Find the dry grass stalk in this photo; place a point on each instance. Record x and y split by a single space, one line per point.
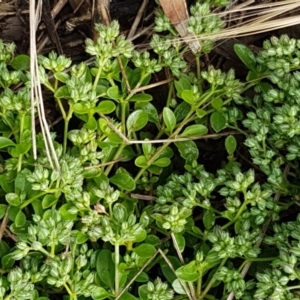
255 19
36 91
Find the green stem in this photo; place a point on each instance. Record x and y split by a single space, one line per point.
174 134
212 281
262 259
20 158
138 147
69 291
123 116
116 156
171 89
66 129
27 202
61 107
52 249
117 261
237 129
98 75
199 286
164 146
237 215
293 287
242 265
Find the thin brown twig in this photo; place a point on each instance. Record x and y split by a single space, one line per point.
179 254
143 197
182 283
184 139
4 223
152 85
141 32
10 235
137 19
137 274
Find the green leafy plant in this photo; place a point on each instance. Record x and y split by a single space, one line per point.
83 231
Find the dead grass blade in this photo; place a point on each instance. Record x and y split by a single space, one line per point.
254 19
36 91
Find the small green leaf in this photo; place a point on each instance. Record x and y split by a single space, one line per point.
21 62
143 292
180 240
265 87
48 201
187 149
154 170
105 107
81 238
13 199
20 219
115 138
5 142
8 187
188 96
176 285
12 212
141 98
113 93
20 149
142 277
91 173
181 85
169 119
141 237
188 272
37 207
194 130
218 121
144 250
91 124
105 268
217 103
3 208
79 108
137 120
4 249
99 293
209 219
181 111
147 149
127 296
22 185
167 271
200 113
62 92
61 76
230 144
101 90
123 181
246 56
65 213
7 261
149 109
162 162
141 161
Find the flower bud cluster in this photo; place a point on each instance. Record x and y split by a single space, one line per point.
233 281
159 290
